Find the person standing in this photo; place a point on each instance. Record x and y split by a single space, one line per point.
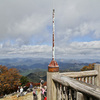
21 92
31 87
41 82
42 93
34 94
45 98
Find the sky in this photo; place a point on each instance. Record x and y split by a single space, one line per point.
26 29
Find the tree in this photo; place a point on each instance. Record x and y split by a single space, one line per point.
89 67
24 80
45 84
9 79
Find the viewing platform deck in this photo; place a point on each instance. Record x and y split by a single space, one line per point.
83 85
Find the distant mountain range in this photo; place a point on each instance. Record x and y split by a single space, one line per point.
35 68
30 65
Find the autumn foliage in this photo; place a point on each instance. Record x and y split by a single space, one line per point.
9 80
34 84
45 84
24 80
89 67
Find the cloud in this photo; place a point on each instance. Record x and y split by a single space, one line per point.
75 50
25 51
22 19
26 28
77 18
80 50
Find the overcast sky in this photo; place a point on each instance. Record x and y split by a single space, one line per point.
26 28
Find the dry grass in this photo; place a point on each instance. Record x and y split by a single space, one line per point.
28 96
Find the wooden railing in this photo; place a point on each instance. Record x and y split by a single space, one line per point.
71 89
85 76
82 85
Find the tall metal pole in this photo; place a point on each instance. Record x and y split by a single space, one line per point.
53 36
53 66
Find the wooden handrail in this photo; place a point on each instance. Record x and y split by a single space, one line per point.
81 85
78 85
80 74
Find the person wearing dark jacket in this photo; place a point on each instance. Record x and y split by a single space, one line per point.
31 87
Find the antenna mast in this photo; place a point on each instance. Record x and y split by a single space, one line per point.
53 66
53 36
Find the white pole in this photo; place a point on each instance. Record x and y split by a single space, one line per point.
53 40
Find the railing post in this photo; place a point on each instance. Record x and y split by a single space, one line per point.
93 82
89 80
97 78
58 92
66 94
70 94
51 86
81 96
